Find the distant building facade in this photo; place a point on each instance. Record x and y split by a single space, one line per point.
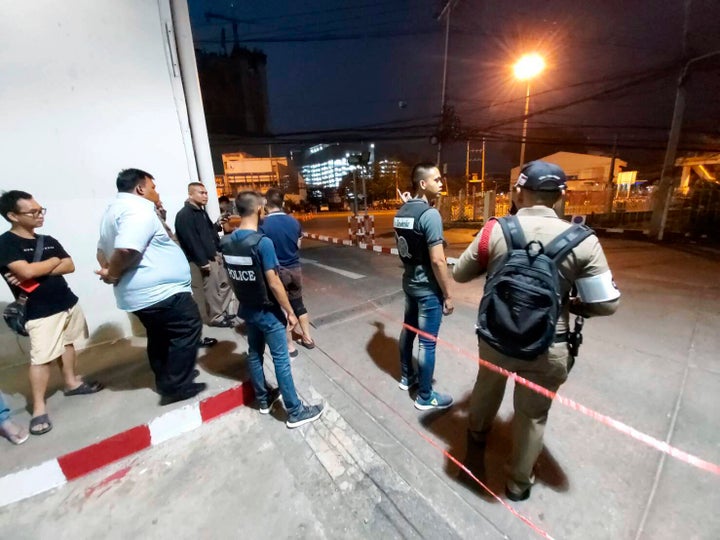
585 172
244 172
234 91
325 165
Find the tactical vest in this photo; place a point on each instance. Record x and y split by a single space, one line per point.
242 262
411 243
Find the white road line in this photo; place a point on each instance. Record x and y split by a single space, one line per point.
346 273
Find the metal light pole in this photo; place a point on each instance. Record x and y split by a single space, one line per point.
525 121
528 67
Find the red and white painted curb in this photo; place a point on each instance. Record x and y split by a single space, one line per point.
371 247
56 472
361 245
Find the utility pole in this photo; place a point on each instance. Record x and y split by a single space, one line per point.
355 208
482 167
467 167
443 96
611 178
664 192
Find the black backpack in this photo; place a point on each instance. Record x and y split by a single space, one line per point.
521 301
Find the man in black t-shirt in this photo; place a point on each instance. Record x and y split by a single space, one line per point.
54 320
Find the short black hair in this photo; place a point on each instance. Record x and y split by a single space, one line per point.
546 198
274 198
129 179
420 172
198 184
247 203
9 199
223 198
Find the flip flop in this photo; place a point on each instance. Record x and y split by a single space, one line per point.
13 433
307 344
89 387
39 420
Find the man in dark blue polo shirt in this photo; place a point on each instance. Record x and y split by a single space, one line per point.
285 232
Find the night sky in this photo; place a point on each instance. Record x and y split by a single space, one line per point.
378 64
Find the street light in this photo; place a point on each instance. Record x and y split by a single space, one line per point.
528 67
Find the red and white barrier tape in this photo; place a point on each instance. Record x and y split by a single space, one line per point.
630 431
664 447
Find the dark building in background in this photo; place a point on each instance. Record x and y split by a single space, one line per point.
234 91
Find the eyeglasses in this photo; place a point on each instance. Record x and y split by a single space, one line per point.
34 213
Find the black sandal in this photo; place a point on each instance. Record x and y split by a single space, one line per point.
89 387
39 420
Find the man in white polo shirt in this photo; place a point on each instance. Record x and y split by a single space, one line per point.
151 278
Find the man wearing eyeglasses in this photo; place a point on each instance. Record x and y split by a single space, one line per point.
55 321
426 283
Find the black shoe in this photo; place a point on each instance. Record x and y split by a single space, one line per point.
517 496
225 323
189 391
208 342
272 396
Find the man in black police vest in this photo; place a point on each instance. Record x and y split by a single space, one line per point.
426 283
252 265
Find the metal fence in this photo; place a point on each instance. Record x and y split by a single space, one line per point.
696 213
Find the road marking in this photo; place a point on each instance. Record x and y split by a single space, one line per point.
346 273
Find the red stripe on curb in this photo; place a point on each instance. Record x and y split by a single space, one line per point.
79 463
214 406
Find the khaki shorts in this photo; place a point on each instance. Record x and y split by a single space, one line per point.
49 335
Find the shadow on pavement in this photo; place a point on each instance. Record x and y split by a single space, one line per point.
383 350
486 461
221 361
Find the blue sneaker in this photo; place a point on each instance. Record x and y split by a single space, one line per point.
267 403
406 383
436 401
307 413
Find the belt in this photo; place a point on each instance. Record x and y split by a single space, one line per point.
561 338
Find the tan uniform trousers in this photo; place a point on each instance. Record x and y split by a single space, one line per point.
213 292
531 409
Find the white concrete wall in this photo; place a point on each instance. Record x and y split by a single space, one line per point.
88 87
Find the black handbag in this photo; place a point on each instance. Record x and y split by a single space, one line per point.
15 313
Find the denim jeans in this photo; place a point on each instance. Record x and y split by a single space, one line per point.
425 314
268 326
4 410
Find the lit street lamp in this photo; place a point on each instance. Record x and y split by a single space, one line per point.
528 67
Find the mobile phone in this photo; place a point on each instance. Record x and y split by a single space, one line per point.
29 285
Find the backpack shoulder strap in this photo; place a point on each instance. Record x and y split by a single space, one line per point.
39 246
483 254
567 241
514 236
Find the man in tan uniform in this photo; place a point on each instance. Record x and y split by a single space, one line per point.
539 186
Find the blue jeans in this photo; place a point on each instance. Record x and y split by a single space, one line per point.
4 410
268 326
425 314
